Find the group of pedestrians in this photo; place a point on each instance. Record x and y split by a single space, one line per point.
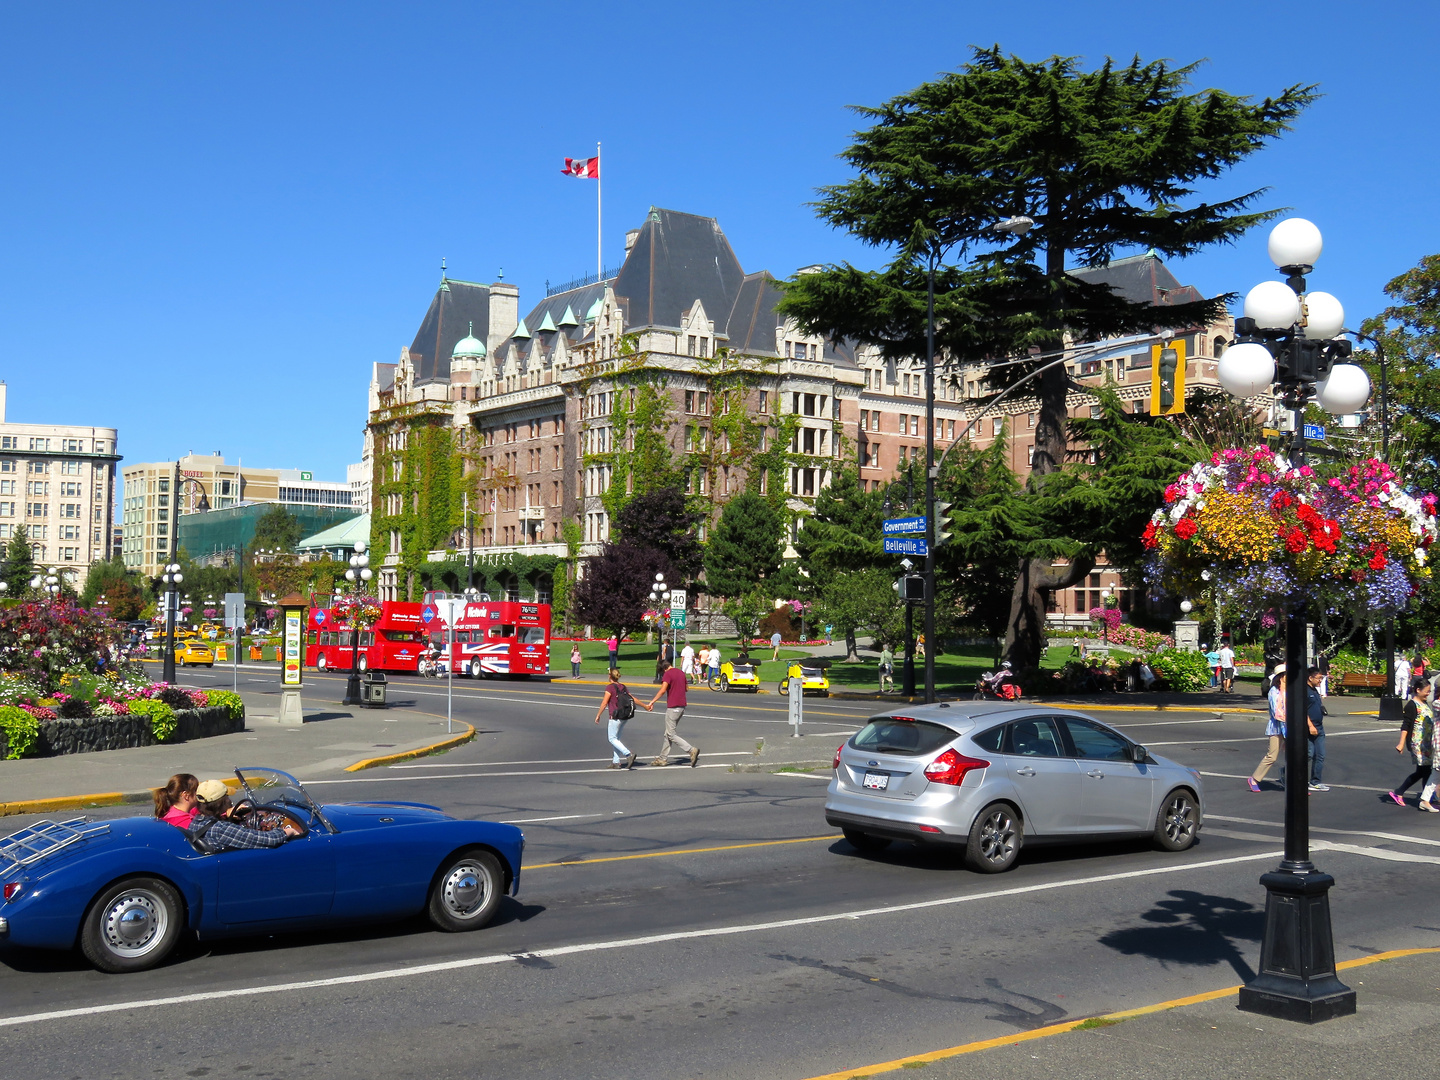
1277 729
621 705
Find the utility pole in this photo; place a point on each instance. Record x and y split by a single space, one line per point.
931 532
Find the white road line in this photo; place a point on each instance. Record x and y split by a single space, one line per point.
488 764
622 943
1338 787
566 817
1262 738
1167 723
646 771
1403 837
806 775
1377 853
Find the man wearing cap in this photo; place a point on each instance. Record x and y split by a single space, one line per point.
1275 729
213 830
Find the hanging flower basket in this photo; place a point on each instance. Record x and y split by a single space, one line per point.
1262 536
361 611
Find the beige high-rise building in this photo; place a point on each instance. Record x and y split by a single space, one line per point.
57 481
156 493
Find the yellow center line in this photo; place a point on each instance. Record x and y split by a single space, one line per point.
681 851
918 1060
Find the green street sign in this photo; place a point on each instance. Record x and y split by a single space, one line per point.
677 620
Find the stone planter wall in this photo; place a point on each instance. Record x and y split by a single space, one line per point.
117 732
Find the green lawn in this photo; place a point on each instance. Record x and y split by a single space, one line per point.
954 671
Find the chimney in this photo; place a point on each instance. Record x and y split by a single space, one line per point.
504 314
631 236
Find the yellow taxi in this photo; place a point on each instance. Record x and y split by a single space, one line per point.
737 674
194 651
811 673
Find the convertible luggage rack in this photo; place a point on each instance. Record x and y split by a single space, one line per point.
43 839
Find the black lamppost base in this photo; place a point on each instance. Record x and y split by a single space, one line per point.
1297 979
352 689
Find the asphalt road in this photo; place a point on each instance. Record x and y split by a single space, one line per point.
705 923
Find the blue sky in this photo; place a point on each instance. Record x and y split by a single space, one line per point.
214 218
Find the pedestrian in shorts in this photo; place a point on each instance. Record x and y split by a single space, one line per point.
1227 667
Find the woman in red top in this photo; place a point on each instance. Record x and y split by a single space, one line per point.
176 803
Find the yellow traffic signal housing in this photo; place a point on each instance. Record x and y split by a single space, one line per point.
1167 378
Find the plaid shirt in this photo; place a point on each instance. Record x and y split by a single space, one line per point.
221 835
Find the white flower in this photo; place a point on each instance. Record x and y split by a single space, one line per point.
1204 575
1420 556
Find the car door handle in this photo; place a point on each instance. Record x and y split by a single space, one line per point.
1026 771
1096 773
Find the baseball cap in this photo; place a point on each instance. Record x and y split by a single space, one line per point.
211 790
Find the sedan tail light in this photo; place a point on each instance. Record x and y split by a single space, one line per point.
836 763
951 767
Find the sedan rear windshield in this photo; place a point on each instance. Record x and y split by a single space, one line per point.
890 736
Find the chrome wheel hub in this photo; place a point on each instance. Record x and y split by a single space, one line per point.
997 838
134 923
465 890
1179 820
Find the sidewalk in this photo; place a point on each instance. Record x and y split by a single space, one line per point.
332 739
1392 1033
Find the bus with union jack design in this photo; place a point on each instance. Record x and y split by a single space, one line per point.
492 637
394 643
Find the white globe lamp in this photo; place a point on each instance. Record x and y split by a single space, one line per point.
1246 369
1295 242
1273 305
1345 390
1324 316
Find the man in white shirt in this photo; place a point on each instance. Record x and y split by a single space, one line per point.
1227 667
1402 676
687 662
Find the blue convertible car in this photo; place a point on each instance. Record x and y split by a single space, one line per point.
127 888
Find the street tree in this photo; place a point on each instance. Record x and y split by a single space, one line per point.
277 528
1409 332
19 563
744 549
859 602
746 611
663 520
1099 161
615 591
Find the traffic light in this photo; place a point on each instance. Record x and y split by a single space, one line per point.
942 522
910 588
1167 378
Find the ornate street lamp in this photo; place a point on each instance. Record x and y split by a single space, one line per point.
1288 337
172 577
358 573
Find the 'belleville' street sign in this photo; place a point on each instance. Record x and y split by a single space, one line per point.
906 545
897 526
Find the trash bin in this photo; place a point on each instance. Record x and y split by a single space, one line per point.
372 690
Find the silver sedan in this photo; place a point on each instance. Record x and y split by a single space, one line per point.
989 777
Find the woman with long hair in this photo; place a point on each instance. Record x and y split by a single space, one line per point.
621 757
1417 734
176 803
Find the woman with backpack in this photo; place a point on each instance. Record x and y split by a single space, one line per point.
621 704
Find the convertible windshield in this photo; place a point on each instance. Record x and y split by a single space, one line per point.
269 787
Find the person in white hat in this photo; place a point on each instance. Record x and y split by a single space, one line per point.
1275 729
212 828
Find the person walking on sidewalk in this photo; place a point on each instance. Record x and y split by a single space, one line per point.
775 645
621 704
687 662
575 661
613 644
1275 729
672 685
714 663
887 669
1315 721
1417 734
1227 667
1402 676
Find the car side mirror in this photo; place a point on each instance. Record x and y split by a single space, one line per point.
1138 754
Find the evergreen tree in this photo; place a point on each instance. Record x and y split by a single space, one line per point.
1100 161
1409 332
19 564
745 548
277 528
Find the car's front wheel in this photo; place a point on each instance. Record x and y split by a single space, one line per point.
131 926
466 892
864 842
1177 824
994 840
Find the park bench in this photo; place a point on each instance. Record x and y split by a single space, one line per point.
1356 680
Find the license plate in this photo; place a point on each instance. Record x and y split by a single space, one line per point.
877 780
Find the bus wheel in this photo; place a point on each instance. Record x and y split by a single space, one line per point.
474 670
320 662
364 662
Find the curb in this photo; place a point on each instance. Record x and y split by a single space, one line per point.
433 748
776 766
916 1061
85 802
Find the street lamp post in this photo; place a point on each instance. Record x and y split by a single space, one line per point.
1286 325
358 573
660 596
172 577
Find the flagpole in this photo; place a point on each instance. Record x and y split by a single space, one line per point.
599 250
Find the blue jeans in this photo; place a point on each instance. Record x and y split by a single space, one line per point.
574 670
613 732
1317 756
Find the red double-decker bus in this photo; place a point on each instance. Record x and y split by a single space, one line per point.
494 637
394 643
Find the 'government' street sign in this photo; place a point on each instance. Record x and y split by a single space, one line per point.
896 526
906 546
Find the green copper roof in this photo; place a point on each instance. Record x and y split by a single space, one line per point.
547 323
469 347
521 331
568 319
595 309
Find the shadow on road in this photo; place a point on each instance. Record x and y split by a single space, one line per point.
1195 929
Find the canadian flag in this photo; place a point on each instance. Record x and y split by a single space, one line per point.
587 167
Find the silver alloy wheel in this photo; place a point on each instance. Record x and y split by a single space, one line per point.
465 890
1180 819
475 669
134 923
997 836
